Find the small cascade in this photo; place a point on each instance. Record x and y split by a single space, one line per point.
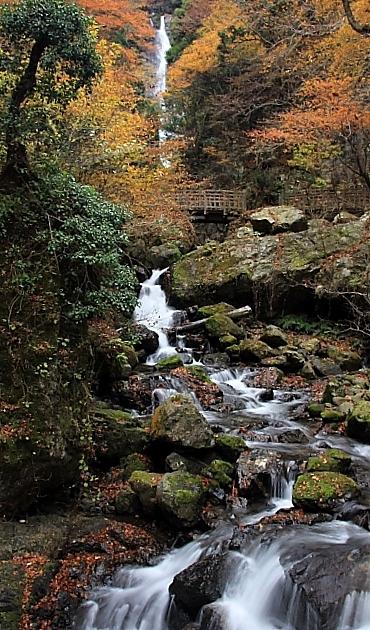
153 312
356 612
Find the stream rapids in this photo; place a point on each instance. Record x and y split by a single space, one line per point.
257 592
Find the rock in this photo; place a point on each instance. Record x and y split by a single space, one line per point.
116 434
170 363
214 309
277 219
229 446
135 461
175 461
127 502
266 395
358 426
161 256
315 409
311 346
267 272
347 360
199 373
274 337
214 616
216 359
332 415
253 351
267 377
307 371
200 584
256 471
181 496
177 421
145 339
294 361
220 471
228 341
220 325
332 460
323 491
344 217
145 485
325 367
324 576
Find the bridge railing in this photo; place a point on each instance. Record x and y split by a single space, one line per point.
218 202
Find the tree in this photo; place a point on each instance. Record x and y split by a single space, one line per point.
359 27
49 51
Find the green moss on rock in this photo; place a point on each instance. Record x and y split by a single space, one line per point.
253 351
145 485
229 446
198 372
177 421
315 409
221 471
333 460
215 309
359 421
170 363
323 491
181 496
220 325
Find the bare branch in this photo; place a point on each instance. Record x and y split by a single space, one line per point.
363 29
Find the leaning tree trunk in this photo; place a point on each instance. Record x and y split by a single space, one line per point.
363 29
16 171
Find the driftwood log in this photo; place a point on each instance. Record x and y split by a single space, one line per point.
238 313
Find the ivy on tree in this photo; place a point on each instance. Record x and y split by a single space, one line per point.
49 48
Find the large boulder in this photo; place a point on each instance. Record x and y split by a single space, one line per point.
289 270
276 219
116 434
323 491
257 473
178 422
220 325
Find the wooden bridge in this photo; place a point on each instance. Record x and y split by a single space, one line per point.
212 205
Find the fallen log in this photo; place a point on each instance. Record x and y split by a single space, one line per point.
237 313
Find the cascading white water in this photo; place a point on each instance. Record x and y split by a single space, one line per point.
163 46
153 312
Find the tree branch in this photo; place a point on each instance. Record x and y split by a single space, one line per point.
363 29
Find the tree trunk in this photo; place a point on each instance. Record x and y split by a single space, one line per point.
363 29
16 168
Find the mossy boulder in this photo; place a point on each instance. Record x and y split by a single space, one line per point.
127 502
181 497
178 422
170 363
286 271
220 325
227 341
145 485
229 446
214 309
332 414
323 491
161 256
274 337
359 422
253 350
333 460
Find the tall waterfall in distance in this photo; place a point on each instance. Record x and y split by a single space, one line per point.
163 44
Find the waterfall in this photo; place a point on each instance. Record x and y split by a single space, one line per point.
163 46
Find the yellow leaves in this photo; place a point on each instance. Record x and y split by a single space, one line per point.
202 55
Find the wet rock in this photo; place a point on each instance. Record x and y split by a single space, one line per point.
216 359
277 219
332 460
332 415
267 377
314 409
161 256
181 496
292 436
323 491
220 471
146 339
127 502
324 577
256 471
220 325
266 395
274 337
215 617
200 584
359 422
175 461
177 421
